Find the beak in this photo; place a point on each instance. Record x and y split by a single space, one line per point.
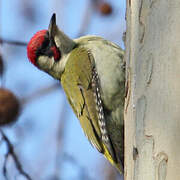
52 26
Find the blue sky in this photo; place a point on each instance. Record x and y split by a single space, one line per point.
36 128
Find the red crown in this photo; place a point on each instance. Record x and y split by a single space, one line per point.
35 42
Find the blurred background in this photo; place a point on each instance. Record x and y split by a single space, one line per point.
46 142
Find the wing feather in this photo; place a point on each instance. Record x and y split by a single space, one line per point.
76 81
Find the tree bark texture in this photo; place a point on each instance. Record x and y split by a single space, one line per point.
152 109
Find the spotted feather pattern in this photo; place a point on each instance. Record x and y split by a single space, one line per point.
101 118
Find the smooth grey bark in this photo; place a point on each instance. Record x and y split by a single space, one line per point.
152 110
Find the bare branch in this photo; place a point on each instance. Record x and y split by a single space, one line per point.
60 137
40 92
82 170
14 156
12 42
86 19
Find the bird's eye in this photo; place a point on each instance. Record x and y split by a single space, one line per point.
45 43
48 48
44 48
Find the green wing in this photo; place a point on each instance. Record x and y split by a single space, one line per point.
76 81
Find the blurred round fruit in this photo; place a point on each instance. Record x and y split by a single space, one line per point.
9 107
105 8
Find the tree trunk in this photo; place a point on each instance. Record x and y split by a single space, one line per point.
152 110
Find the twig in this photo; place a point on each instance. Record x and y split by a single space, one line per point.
62 125
14 156
87 16
17 43
82 170
40 92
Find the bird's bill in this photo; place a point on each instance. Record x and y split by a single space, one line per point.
52 26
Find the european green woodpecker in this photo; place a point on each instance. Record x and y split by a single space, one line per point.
92 73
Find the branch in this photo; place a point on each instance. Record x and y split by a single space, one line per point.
82 170
62 125
11 42
87 16
14 156
40 92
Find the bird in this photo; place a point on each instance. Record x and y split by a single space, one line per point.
91 71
